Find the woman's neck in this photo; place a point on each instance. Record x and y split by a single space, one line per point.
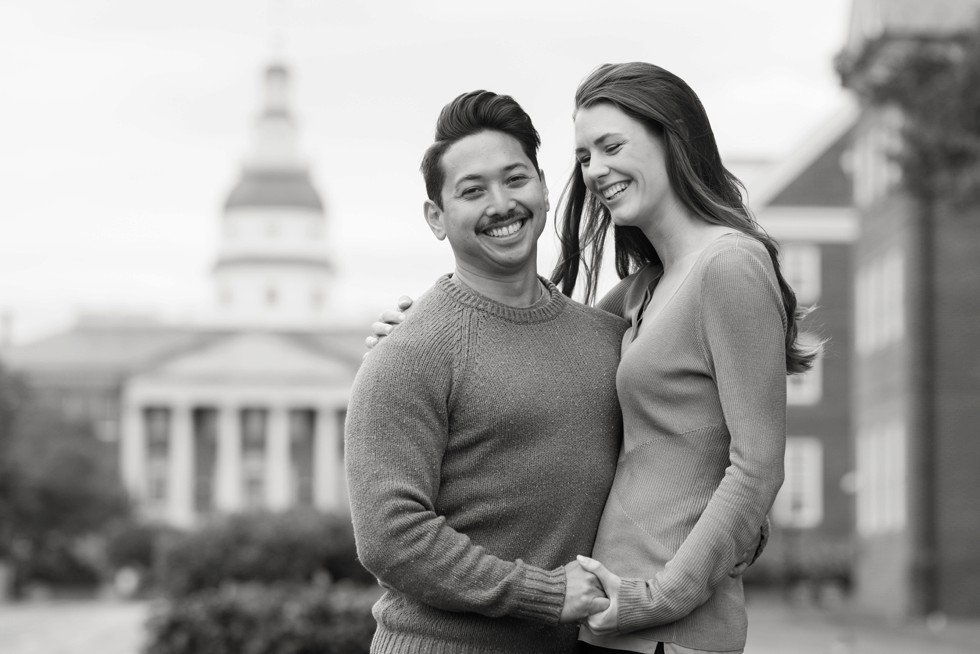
679 235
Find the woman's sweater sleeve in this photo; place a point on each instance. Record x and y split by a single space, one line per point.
614 301
396 434
742 330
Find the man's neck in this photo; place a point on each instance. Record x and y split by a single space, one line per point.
520 290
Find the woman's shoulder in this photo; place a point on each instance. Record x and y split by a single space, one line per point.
734 252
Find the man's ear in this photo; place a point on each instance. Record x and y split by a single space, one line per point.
544 189
433 216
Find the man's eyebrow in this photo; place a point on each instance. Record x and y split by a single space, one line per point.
476 177
473 177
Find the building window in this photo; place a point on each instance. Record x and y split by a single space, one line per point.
156 422
799 504
107 422
804 389
302 432
205 425
254 428
882 479
879 311
801 268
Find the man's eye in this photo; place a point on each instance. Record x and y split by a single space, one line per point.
471 192
518 179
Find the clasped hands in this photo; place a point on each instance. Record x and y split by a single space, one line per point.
591 596
592 592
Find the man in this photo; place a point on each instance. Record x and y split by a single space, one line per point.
482 437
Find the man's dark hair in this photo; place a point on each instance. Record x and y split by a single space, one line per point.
469 114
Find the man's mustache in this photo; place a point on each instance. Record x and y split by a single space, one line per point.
510 216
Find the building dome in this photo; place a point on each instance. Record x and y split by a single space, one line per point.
274 188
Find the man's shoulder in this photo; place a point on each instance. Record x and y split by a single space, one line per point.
431 328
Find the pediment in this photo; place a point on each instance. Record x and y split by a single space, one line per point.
253 357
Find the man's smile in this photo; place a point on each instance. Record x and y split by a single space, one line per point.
506 229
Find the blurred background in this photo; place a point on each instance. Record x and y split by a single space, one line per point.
206 204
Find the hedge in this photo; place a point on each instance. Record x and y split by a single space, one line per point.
262 619
295 547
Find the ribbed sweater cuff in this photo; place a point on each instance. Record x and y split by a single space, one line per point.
635 610
542 595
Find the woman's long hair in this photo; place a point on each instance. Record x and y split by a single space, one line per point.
669 109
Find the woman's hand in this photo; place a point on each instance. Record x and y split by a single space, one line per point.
387 321
583 594
605 622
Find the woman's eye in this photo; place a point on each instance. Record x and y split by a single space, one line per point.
614 148
583 161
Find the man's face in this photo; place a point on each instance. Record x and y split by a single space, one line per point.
494 205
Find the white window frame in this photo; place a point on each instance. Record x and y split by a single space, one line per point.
802 270
806 388
800 504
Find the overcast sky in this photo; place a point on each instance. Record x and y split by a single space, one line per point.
123 123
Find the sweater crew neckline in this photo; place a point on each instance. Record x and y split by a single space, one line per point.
546 309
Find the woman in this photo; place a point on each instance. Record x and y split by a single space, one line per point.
702 375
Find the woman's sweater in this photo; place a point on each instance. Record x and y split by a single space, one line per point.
702 387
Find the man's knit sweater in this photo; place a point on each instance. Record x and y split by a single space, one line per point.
481 443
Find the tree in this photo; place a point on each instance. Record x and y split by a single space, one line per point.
56 487
936 86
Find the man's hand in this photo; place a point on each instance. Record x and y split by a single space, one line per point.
749 555
387 322
583 594
607 621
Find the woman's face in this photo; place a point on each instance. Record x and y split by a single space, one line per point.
623 164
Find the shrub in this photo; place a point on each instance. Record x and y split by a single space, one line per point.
260 619
137 547
59 565
294 547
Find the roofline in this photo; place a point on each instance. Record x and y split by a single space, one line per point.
805 154
812 224
259 260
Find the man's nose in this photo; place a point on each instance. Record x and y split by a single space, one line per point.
500 202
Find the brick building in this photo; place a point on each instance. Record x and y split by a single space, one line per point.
805 203
916 371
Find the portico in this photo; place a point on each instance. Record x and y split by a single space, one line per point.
252 422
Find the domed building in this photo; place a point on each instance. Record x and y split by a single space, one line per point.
244 410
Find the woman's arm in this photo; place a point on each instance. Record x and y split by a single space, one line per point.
387 322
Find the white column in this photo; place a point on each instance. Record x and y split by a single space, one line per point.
228 492
180 480
330 484
278 489
132 451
